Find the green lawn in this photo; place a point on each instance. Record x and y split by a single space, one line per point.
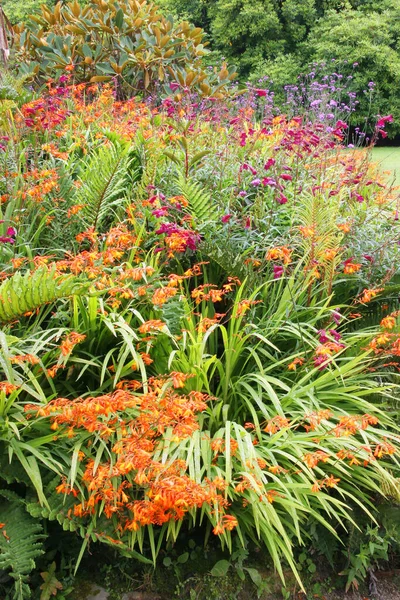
389 159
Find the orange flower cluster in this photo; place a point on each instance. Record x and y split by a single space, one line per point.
276 424
326 482
152 325
312 459
20 359
314 419
206 322
70 341
244 306
297 362
281 253
8 388
368 295
135 487
351 424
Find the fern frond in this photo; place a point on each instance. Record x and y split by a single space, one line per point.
201 205
20 545
104 182
22 293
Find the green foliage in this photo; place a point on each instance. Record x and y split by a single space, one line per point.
105 182
20 544
51 585
130 42
370 39
17 11
22 293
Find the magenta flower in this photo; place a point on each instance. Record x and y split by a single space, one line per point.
278 271
383 120
269 181
286 177
247 167
226 218
260 92
256 182
270 163
160 212
10 236
335 334
281 199
321 362
323 338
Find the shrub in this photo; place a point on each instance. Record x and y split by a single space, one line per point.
129 42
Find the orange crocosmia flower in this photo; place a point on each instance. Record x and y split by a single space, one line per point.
245 305
271 495
276 424
205 324
368 295
277 470
71 340
388 322
126 384
162 295
315 487
24 358
279 253
351 268
344 227
295 363
152 325
312 459
217 445
215 295
330 481
179 379
8 388
384 448
330 254
52 371
307 231
316 418
218 529
219 483
229 522
179 200
74 210
17 262
146 358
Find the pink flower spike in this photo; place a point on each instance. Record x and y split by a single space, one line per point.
226 218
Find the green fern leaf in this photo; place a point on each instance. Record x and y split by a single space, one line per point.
200 202
24 293
105 181
20 544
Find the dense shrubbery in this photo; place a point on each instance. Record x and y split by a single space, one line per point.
201 326
266 37
130 42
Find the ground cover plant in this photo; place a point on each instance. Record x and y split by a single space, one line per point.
201 329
